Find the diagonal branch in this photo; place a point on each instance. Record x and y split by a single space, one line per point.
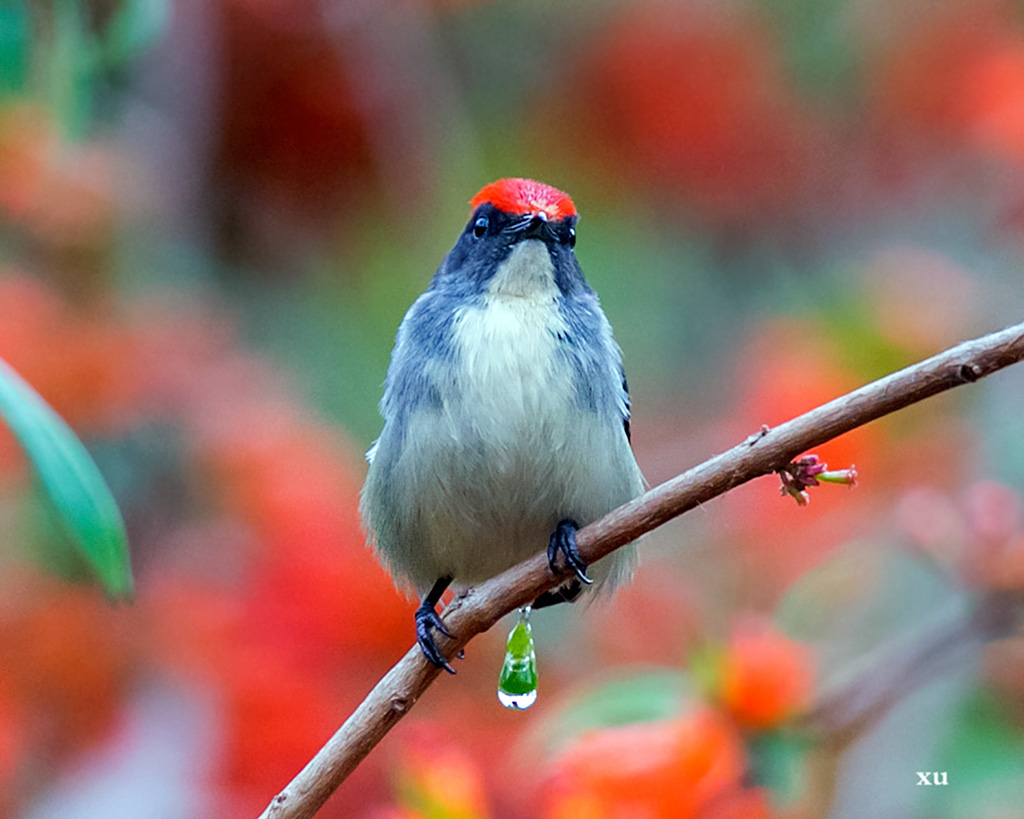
761 454
845 710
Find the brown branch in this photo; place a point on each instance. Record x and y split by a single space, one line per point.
761 454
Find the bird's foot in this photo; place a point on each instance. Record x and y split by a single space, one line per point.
563 540
427 621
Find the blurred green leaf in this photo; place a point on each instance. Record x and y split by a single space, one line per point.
14 46
71 480
984 759
137 25
859 599
644 696
704 663
777 763
822 53
68 70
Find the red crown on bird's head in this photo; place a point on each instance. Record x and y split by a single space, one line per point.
522 196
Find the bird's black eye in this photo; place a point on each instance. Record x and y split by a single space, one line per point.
572 237
480 227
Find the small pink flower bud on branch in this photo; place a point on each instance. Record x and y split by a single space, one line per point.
810 470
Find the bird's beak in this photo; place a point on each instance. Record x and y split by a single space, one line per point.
534 226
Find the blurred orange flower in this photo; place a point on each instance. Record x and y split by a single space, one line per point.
65 656
81 362
992 100
438 780
956 77
58 192
674 769
764 678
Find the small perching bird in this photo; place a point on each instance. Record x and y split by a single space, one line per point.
506 411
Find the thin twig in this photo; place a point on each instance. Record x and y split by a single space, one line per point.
761 454
846 710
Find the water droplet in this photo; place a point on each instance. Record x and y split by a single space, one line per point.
517 685
517 702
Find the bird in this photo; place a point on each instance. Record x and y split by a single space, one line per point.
506 413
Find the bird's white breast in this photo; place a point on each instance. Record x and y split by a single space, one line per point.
510 374
486 476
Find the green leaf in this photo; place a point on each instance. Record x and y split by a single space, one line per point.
643 694
15 38
72 481
136 26
983 757
67 70
778 762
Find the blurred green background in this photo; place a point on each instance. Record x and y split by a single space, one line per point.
213 216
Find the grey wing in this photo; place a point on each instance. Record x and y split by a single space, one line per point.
626 408
387 505
423 337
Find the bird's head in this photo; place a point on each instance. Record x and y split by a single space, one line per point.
519 239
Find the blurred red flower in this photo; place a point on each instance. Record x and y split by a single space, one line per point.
81 362
673 769
67 659
59 195
12 747
698 101
954 77
992 99
255 584
764 678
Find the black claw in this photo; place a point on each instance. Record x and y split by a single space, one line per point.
563 540
427 619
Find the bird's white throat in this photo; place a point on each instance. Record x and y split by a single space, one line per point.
526 273
507 345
